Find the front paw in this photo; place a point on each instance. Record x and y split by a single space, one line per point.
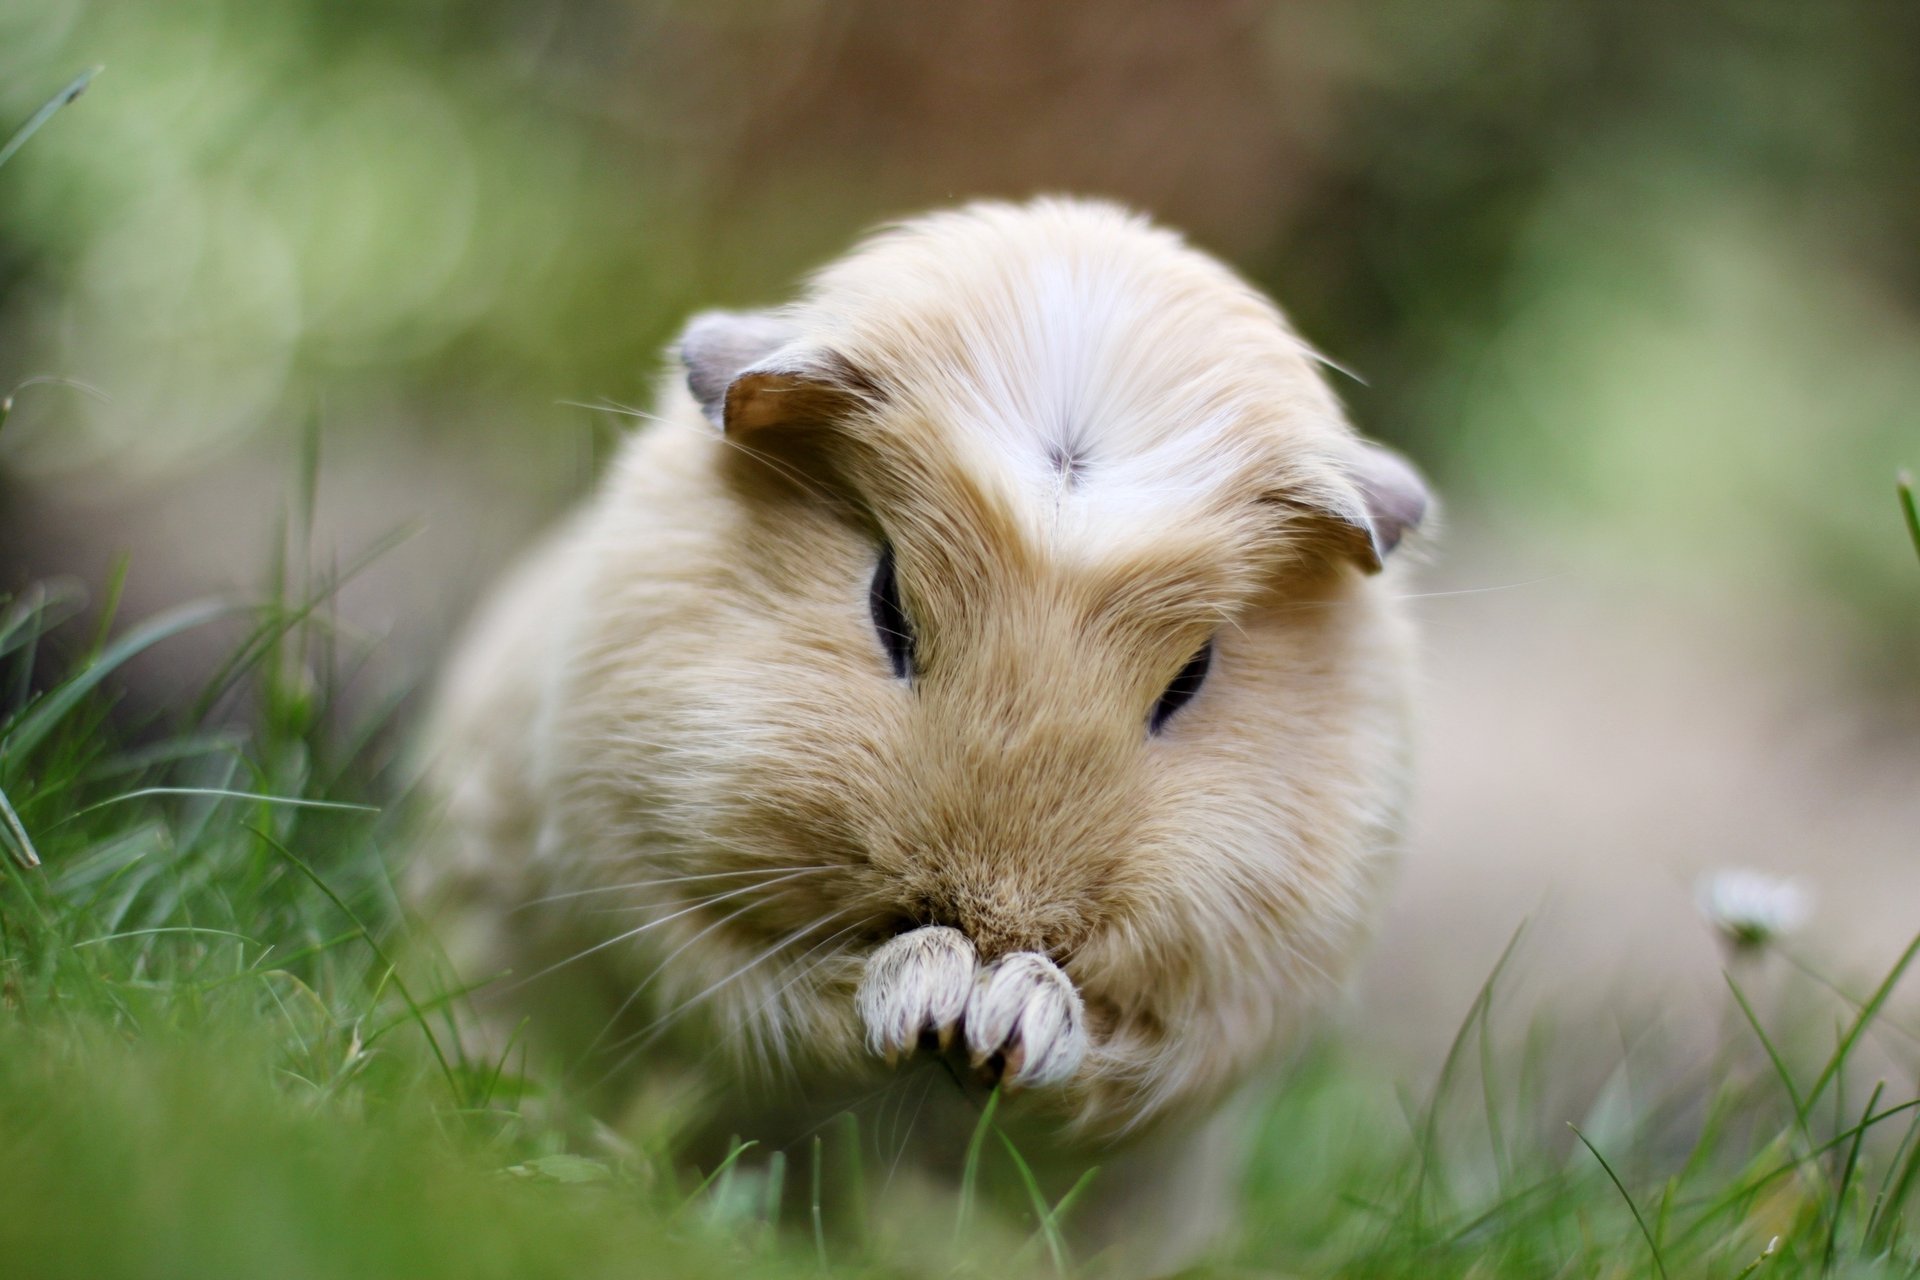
1024 1011
916 983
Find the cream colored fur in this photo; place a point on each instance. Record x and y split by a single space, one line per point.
1092 449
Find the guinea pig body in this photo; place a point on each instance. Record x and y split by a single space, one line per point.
990 658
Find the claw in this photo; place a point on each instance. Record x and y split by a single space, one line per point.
1026 1010
1010 1073
917 984
1020 1019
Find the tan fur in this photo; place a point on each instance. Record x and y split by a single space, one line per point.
1092 448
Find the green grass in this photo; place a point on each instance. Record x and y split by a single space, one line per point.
209 1066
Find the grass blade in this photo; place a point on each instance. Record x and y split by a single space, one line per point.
1772 1246
724 1169
1894 1165
1911 511
283 621
1711 1208
1429 1128
1846 1175
47 379
22 842
37 610
41 717
1056 1247
1653 1246
1860 1023
970 1170
775 1188
1879 1224
399 984
813 1210
1067 1201
75 87
223 793
1773 1054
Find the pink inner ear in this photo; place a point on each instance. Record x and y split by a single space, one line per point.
765 398
1396 497
794 388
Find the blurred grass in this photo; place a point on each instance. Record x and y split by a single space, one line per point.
184 1158
208 1066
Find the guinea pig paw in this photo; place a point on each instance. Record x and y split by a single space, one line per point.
1026 1012
916 983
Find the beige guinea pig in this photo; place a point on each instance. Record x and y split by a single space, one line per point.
986 655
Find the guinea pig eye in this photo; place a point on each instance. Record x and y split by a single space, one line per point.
889 619
1181 691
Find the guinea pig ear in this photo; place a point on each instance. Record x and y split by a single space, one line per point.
1386 499
1395 496
750 370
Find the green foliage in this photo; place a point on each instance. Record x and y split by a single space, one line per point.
270 201
190 1157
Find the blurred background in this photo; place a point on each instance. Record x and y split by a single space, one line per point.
1638 286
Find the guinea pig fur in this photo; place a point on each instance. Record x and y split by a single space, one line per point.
990 659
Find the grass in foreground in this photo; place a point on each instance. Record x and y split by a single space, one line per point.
208 1066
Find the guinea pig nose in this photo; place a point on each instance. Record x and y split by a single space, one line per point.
893 926
921 911
996 924
994 939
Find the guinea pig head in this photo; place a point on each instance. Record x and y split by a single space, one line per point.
1046 610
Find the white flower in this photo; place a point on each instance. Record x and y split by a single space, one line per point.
1751 908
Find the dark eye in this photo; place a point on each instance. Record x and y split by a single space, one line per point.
1181 691
889 619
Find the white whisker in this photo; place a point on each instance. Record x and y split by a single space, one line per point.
613 406
647 981
913 1122
653 884
647 1034
750 1023
652 924
1480 591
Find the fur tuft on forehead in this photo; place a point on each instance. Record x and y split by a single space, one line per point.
1091 371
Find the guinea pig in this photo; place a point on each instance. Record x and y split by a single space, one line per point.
990 659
